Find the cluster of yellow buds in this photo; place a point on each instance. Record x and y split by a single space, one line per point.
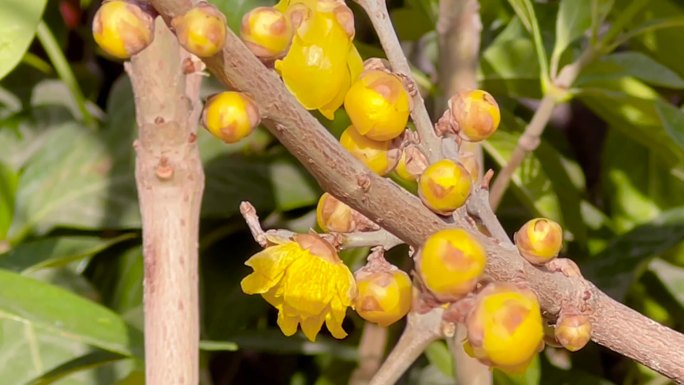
310 44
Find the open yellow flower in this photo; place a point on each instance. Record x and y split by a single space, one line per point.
322 62
306 281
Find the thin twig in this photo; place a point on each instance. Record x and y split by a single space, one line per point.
371 353
469 371
404 215
530 138
370 238
421 330
377 12
170 181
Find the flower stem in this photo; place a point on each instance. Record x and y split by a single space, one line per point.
421 330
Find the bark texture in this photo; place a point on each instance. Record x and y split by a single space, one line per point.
170 183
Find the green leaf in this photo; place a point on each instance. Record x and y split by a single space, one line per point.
615 268
119 279
629 105
61 313
530 376
574 19
85 362
599 11
410 23
673 121
652 39
543 182
8 187
218 346
273 341
525 11
638 183
630 63
18 22
508 65
438 354
54 252
671 276
73 181
32 351
236 9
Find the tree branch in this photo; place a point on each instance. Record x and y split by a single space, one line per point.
402 214
421 330
170 182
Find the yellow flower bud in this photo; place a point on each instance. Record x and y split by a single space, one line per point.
122 28
230 116
384 296
505 328
380 157
267 32
378 105
475 113
450 263
444 186
573 331
539 240
411 164
201 30
333 215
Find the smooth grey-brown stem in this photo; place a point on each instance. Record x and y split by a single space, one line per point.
370 238
371 353
377 12
403 214
421 330
170 182
527 142
469 371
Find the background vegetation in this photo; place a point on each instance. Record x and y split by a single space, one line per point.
610 169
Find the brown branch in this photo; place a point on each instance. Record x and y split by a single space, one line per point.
403 214
170 182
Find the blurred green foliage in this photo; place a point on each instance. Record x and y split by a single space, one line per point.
610 169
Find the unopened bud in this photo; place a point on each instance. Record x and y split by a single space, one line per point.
201 30
539 240
122 28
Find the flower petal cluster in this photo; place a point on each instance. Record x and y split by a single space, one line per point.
322 62
306 281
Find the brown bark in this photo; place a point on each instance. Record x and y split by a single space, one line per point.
402 214
170 182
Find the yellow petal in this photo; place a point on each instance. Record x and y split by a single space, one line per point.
334 325
309 284
288 325
314 69
311 326
269 266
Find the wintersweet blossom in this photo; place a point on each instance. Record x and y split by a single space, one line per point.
306 281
